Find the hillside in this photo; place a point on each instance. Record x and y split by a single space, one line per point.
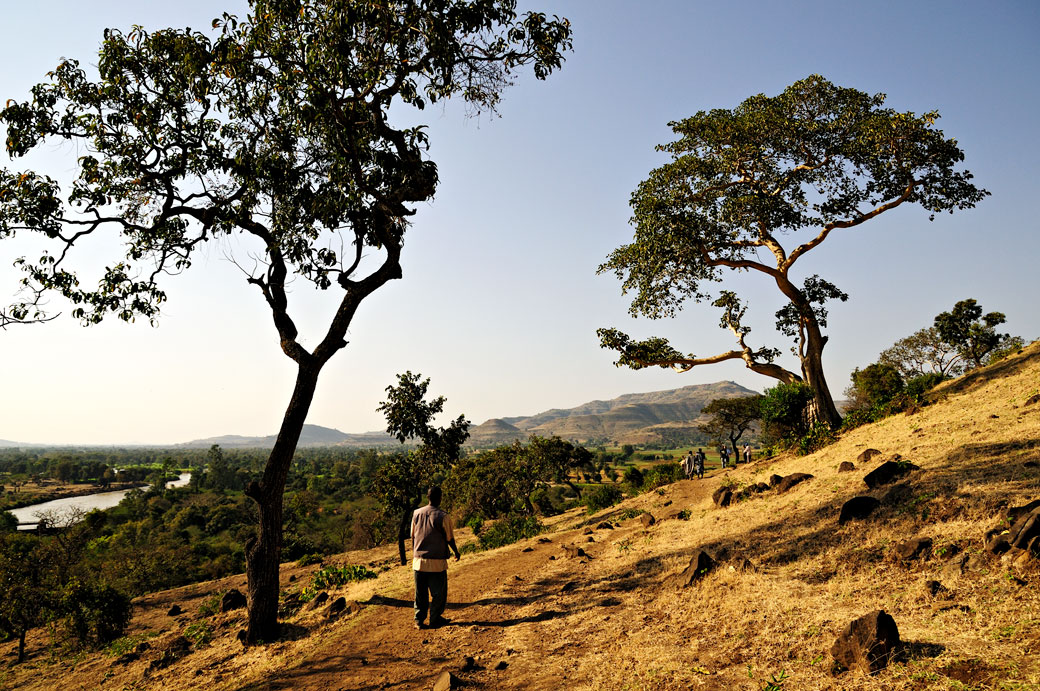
313 435
639 418
789 579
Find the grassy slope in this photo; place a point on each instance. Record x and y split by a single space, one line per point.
617 621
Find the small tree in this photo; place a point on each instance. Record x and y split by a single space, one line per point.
971 332
26 587
278 128
402 480
817 158
731 417
923 352
875 385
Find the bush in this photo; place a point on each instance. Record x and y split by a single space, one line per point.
509 530
662 474
634 478
601 498
94 615
783 410
817 438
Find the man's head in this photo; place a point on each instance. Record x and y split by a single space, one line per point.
434 495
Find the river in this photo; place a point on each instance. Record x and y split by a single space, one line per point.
27 515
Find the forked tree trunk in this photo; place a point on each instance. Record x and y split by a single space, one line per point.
264 552
821 408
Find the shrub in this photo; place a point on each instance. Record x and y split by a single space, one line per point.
783 410
93 615
602 497
509 530
817 438
333 577
662 474
309 559
634 478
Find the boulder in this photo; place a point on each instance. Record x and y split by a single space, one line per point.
936 589
647 519
865 456
574 552
722 497
605 526
232 599
1025 529
857 508
996 541
174 611
319 600
336 607
918 548
887 473
898 494
956 566
446 681
868 643
775 479
846 467
587 531
792 480
701 564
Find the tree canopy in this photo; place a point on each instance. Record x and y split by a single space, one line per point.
815 159
278 129
971 332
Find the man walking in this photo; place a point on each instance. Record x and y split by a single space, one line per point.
432 536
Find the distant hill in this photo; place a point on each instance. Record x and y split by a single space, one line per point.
313 435
640 418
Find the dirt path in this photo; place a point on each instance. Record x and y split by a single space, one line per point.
519 612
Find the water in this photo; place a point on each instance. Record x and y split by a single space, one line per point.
27 515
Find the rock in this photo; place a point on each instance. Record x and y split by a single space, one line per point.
502 664
667 503
544 540
936 589
647 519
866 455
142 647
857 508
887 473
174 650
792 480
846 467
759 487
898 494
775 480
292 578
1025 528
232 599
590 539
587 531
469 663
446 681
569 586
701 564
1033 400
319 600
956 567
527 549
918 548
605 526
722 497
868 643
126 659
997 541
573 552
174 611
337 606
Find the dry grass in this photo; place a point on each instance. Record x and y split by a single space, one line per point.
617 620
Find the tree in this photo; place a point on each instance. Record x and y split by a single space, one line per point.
731 417
817 158
278 128
26 587
972 333
923 352
403 479
874 385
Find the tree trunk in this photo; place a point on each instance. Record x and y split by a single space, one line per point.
822 408
21 645
264 552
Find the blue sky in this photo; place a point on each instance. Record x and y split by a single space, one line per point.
500 299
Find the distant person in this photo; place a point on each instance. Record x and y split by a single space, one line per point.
432 536
747 452
687 464
724 455
698 464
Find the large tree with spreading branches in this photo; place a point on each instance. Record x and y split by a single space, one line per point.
813 161
277 127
